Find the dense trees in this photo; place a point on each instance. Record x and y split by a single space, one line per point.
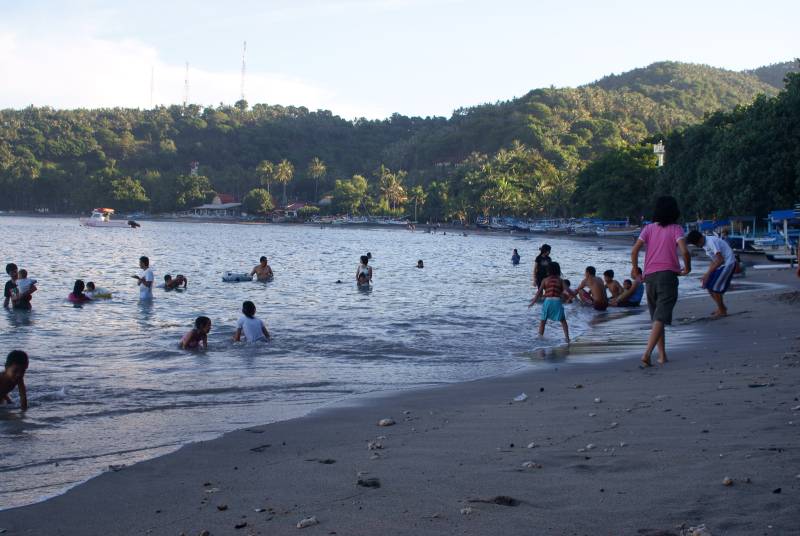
520 157
743 162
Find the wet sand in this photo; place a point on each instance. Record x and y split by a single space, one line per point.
613 449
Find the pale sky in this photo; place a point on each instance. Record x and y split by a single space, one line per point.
364 58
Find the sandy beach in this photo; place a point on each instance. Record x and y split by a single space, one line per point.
596 449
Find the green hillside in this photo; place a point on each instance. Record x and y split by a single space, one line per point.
515 157
775 74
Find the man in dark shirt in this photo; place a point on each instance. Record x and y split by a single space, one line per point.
11 295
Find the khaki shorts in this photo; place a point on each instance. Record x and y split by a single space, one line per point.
662 295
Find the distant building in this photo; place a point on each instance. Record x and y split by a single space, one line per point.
221 206
326 201
293 210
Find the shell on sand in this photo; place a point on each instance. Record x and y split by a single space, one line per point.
386 422
727 481
307 522
466 511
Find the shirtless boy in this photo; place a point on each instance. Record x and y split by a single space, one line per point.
262 271
596 293
14 377
612 285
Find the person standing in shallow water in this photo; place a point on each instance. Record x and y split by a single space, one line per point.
515 257
541 264
663 238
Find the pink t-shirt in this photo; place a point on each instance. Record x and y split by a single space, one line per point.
662 253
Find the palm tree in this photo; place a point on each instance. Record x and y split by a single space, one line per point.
317 171
419 196
264 170
283 174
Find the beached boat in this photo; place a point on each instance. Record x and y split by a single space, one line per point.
101 217
617 231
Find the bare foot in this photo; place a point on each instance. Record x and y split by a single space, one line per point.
646 362
662 360
719 313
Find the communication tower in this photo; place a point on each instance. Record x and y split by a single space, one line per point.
658 149
244 52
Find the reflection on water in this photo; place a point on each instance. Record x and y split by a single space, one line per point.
108 384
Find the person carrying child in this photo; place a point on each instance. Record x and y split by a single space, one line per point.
552 288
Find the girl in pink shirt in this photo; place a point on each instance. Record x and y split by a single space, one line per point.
663 239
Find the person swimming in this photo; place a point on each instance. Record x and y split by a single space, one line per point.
364 272
197 337
77 296
94 292
178 281
420 264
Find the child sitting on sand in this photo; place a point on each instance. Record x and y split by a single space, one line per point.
252 328
552 288
14 377
198 336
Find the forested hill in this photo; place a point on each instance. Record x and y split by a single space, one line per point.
775 74
515 157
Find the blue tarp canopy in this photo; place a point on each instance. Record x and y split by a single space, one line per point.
780 215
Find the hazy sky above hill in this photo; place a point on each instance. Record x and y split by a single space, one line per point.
364 57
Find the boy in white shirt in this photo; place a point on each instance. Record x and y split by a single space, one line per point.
718 277
145 280
252 328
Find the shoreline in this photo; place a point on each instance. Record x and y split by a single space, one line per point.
280 478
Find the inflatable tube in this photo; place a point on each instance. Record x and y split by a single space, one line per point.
234 277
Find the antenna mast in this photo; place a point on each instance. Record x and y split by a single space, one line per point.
152 84
244 52
186 86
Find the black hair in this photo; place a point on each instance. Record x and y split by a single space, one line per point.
419 262
364 259
262 259
201 321
627 281
11 267
249 309
369 255
591 271
167 277
515 250
666 211
694 237
90 285
554 269
17 357
638 270
609 273
545 248
566 283
79 287
144 260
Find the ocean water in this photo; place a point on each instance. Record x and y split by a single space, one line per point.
108 385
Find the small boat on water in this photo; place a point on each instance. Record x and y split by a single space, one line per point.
101 217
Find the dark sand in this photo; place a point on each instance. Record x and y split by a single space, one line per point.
662 441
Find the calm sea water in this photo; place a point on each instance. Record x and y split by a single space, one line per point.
108 385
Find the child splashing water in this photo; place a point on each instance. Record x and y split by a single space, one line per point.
552 288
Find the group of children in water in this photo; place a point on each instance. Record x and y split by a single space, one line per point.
554 291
